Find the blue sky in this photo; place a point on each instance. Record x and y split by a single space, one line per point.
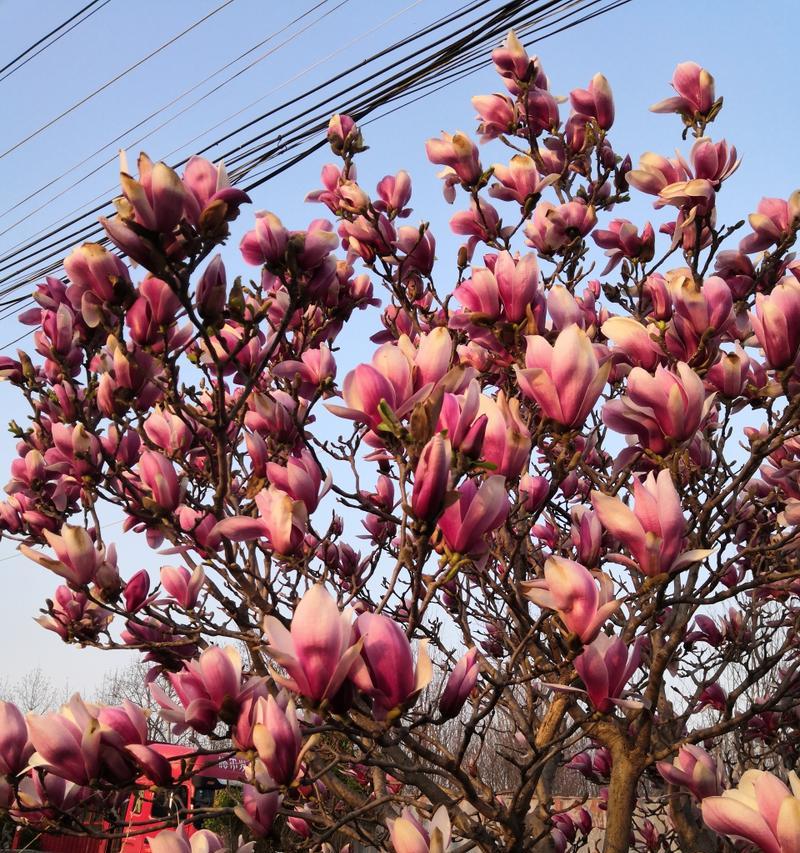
749 48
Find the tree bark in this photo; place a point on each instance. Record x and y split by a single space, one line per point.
621 805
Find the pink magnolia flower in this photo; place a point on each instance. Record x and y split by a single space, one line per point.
635 341
460 684
712 161
319 650
567 825
497 115
340 128
553 228
332 178
776 322
277 739
300 478
655 172
282 521
315 370
731 372
654 530
518 285
737 269
400 375
571 590
761 810
695 88
481 223
410 835
136 590
266 243
209 689
159 477
416 251
47 797
477 512
566 380
78 559
702 309
83 742
696 194
533 492
480 295
507 439
184 586
694 769
212 290
512 63
661 409
209 194
257 812
75 448
15 748
595 101
156 200
137 248
772 222
385 669
73 614
97 277
168 431
605 666
367 238
459 417
712 696
459 153
394 193
201 841
153 313
622 240
431 478
541 115
519 181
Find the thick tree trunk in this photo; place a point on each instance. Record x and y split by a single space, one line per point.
693 837
621 805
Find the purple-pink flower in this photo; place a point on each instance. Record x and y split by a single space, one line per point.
565 379
319 650
572 590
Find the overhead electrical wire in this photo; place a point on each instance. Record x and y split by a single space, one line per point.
414 73
427 86
113 80
185 145
503 22
157 112
227 154
59 32
14 251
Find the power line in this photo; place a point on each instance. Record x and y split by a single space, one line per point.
61 26
503 18
113 80
23 246
152 115
14 250
453 54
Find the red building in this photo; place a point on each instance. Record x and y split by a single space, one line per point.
148 807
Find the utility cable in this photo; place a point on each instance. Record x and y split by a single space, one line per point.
113 80
10 65
147 118
451 53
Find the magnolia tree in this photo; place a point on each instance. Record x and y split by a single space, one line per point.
560 535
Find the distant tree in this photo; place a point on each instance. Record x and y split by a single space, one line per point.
34 692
